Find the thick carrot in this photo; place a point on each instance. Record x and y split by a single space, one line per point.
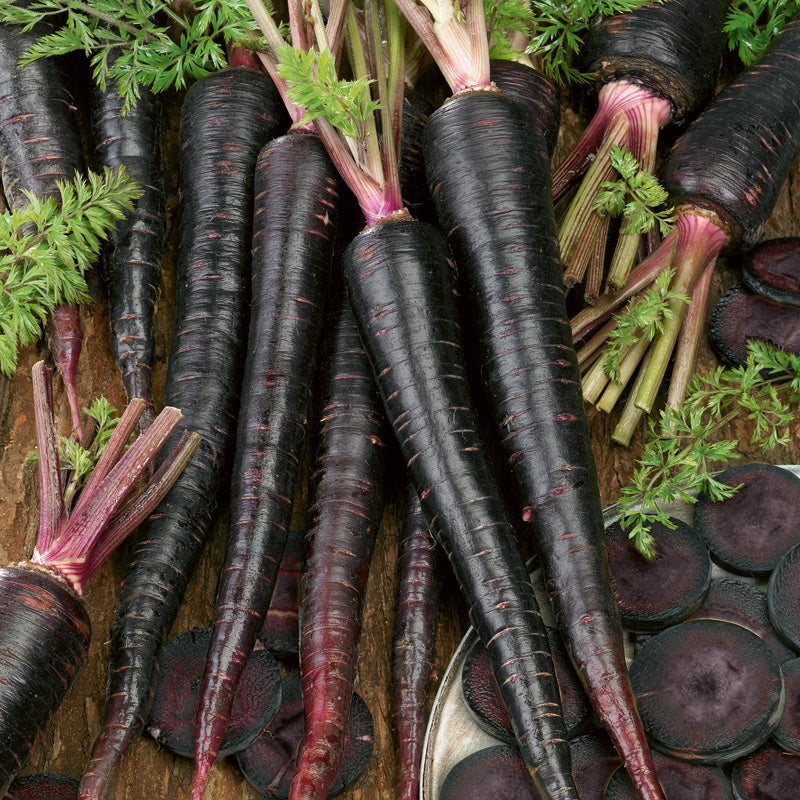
39 145
225 119
401 284
488 171
44 627
344 517
132 258
295 217
413 643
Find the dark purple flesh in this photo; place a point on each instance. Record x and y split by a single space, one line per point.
46 786
681 781
594 759
280 631
772 269
787 734
655 593
740 315
486 702
733 600
783 598
750 532
708 691
497 772
269 763
177 693
768 774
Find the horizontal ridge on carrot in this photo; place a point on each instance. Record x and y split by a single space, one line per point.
44 628
225 119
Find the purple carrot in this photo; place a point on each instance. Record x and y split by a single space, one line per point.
413 643
39 145
131 260
44 628
226 118
295 217
345 514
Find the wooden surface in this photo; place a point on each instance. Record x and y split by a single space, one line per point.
147 771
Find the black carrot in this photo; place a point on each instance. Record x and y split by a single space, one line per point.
656 64
132 259
44 628
413 643
39 145
401 283
723 176
344 516
225 119
478 145
294 224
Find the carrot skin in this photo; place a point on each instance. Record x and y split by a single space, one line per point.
39 145
295 217
734 158
44 641
413 643
500 225
674 49
226 118
131 261
345 514
532 89
401 285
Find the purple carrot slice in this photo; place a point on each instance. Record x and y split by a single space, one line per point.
767 774
708 691
772 269
486 702
733 600
594 760
681 780
177 693
740 315
787 734
281 629
783 598
492 772
45 786
653 594
750 532
269 763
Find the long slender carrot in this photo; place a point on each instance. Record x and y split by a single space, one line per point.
344 516
225 119
132 259
295 217
413 643
401 284
489 176
39 145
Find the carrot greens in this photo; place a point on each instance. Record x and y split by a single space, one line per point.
47 246
153 44
679 452
752 24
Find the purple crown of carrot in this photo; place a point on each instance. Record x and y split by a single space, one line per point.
73 544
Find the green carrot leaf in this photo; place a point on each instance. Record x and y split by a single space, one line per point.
679 455
751 25
46 248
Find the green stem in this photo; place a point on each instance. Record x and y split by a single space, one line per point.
699 242
628 364
631 416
